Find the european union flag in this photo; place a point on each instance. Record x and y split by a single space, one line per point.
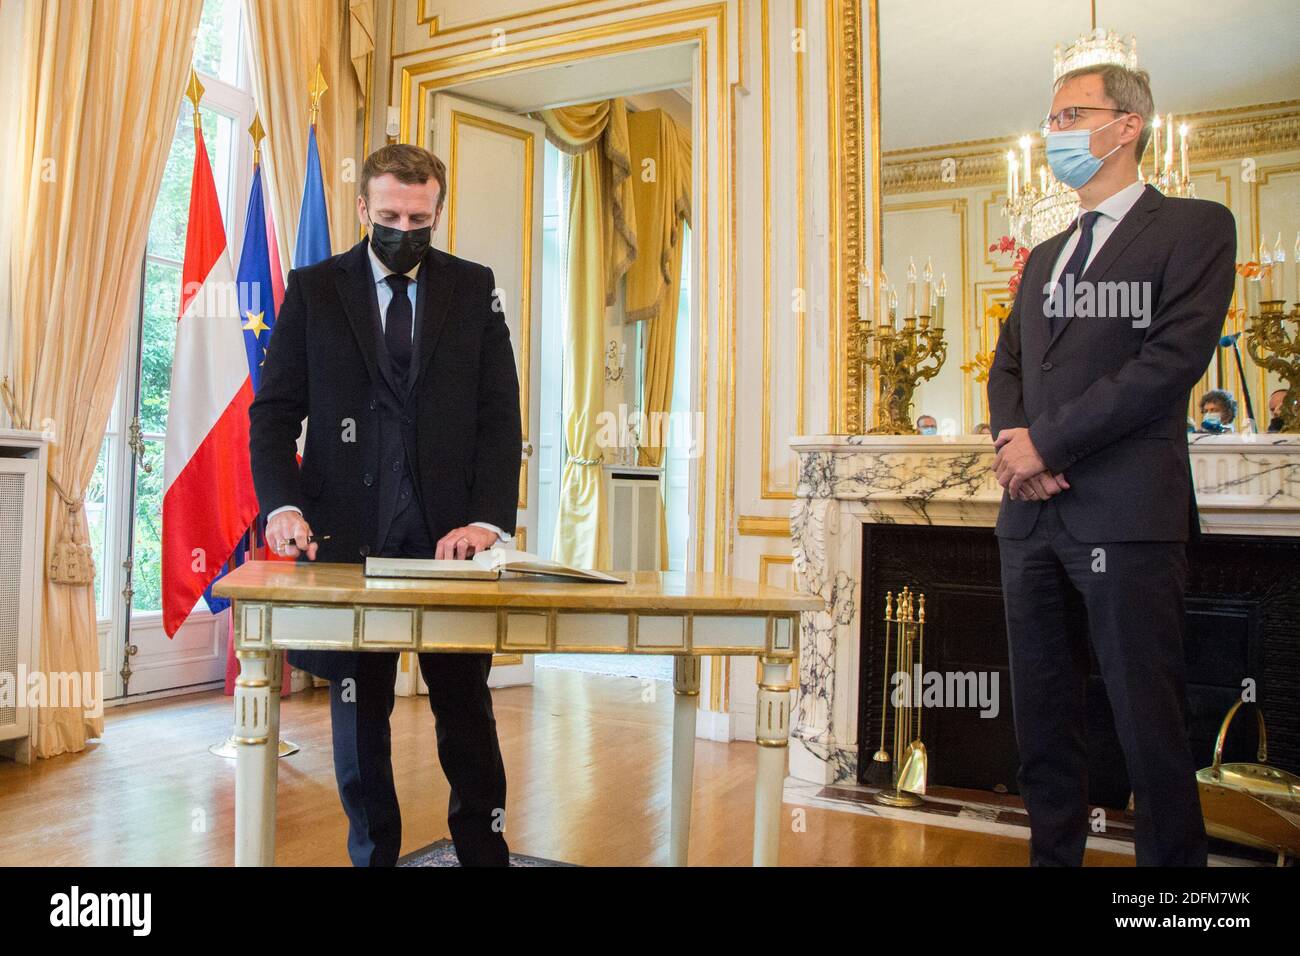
313 220
257 318
256 296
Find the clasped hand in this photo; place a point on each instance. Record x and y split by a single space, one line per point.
1021 470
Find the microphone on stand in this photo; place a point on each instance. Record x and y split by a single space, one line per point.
1231 341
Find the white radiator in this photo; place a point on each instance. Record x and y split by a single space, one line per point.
635 502
22 575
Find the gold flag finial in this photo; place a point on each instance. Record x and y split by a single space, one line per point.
316 89
194 93
255 130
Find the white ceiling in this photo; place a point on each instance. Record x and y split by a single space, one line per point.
582 81
955 70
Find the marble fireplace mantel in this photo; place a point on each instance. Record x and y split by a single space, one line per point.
1245 485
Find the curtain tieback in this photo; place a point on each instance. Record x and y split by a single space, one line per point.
587 461
73 561
11 405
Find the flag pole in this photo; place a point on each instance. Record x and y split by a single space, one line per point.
316 88
227 747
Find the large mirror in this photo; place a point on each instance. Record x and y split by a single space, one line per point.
964 84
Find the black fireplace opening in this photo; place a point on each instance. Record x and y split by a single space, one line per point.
1243 623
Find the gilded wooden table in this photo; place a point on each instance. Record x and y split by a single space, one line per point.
279 606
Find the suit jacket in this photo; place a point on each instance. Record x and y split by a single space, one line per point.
458 409
1105 399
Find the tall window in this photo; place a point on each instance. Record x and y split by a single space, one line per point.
227 111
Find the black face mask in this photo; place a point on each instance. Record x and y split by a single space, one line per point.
399 249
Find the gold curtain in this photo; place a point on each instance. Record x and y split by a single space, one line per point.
95 106
287 41
663 202
601 247
661 192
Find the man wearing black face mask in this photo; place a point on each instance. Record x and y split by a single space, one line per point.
399 357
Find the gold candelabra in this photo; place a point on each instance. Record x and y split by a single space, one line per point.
905 617
898 350
899 358
1273 347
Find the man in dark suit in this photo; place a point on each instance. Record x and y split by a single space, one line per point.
1114 322
399 357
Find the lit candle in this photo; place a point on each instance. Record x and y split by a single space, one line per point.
1295 266
911 289
938 303
1266 272
893 307
1042 180
1024 148
1252 296
1182 147
1155 155
1279 266
928 277
1169 146
864 296
883 318
1011 175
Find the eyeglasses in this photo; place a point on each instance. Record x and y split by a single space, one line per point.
1069 115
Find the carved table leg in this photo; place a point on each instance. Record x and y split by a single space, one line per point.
257 730
686 693
773 737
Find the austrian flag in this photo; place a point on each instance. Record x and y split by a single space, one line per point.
208 497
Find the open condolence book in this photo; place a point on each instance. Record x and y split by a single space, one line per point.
486 565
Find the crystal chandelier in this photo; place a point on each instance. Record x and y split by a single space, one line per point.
1099 46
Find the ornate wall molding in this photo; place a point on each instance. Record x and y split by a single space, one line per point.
1219 135
849 168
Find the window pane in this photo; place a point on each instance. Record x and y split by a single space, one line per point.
162 286
171 214
96 501
146 575
216 47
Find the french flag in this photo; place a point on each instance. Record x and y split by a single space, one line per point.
208 496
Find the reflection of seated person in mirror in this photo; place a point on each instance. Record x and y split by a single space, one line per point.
1218 412
927 425
1275 399
983 429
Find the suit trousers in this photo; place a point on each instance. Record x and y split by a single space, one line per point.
1133 595
466 731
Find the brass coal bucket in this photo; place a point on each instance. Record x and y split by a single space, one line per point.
1251 803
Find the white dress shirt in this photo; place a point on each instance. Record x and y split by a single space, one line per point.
384 293
1112 209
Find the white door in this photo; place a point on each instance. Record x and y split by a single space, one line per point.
493 216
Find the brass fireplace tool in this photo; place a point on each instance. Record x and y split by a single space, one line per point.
905 618
897 348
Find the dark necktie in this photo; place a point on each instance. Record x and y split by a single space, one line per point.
397 325
1073 267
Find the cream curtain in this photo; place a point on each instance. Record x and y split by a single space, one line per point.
663 202
95 107
601 247
287 40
